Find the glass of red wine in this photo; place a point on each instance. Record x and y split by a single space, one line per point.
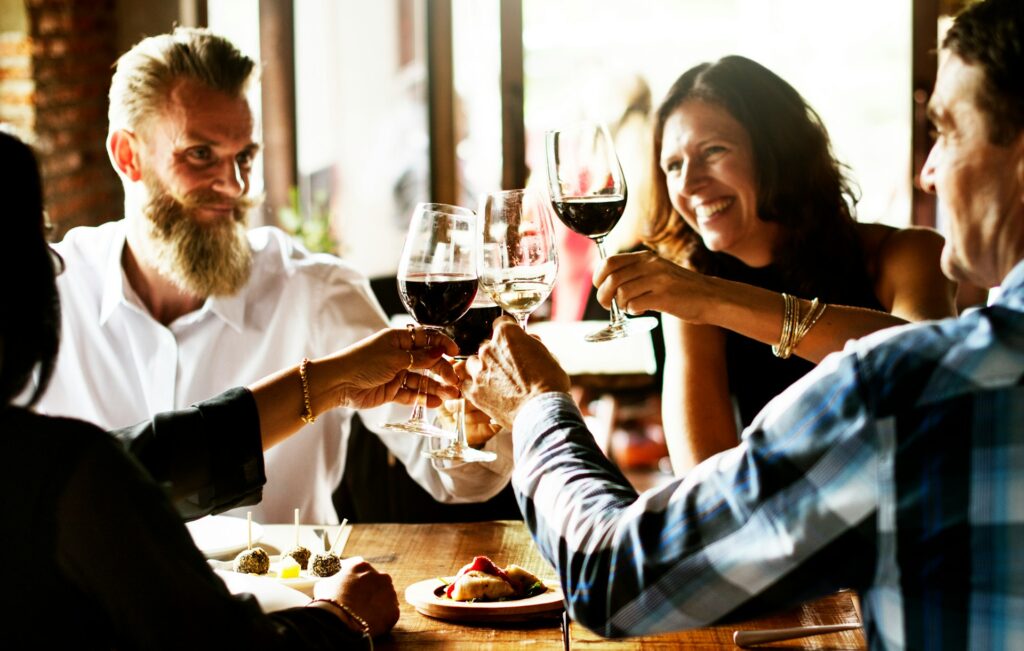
437 281
469 332
588 193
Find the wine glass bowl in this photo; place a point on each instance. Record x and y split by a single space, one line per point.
437 280
588 193
518 260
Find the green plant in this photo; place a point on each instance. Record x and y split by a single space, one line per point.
313 230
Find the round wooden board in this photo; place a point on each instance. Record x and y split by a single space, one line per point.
423 596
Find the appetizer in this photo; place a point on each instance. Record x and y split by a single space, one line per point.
252 561
482 580
301 555
326 564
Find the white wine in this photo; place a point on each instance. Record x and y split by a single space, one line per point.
519 290
519 296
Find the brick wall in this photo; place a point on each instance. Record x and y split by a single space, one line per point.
72 46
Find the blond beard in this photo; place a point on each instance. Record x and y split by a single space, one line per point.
202 259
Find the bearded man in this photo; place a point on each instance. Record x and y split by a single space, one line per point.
179 301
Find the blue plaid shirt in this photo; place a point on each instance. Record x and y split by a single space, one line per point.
896 468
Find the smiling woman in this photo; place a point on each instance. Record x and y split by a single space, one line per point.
761 257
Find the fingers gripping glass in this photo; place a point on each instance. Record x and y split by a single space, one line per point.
437 281
588 192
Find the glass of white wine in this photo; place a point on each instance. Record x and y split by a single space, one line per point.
517 259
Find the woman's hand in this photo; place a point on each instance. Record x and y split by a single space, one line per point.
378 369
367 592
645 281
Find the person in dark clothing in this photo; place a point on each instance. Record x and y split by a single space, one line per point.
102 558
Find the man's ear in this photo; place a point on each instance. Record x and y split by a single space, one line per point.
124 155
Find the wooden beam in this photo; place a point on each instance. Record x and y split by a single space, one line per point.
513 127
277 50
924 64
440 102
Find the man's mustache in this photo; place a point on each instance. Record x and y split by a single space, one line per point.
202 198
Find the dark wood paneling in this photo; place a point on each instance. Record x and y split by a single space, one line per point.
924 43
513 128
277 51
441 109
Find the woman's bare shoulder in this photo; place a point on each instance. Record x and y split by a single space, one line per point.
884 245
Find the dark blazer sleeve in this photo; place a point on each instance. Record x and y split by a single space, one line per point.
208 457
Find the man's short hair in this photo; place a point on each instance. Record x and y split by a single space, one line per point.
145 74
991 34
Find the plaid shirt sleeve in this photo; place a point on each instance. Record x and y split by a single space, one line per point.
754 528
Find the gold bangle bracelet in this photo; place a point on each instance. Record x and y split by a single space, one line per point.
790 318
307 416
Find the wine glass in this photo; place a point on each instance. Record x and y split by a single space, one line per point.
588 193
437 280
518 261
469 332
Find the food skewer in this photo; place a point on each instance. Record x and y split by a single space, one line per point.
341 540
252 560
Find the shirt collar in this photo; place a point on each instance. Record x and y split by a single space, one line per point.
231 309
116 292
114 280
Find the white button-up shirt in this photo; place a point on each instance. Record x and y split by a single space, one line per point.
118 365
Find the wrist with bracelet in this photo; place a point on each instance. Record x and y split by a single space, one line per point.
354 621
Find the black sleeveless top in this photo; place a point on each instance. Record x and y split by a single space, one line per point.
756 375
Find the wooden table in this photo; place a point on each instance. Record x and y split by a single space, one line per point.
413 552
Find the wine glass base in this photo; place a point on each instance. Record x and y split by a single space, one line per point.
625 328
464 453
416 427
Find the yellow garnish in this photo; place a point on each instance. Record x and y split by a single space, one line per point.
289 568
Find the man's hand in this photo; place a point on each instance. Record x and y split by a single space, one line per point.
509 370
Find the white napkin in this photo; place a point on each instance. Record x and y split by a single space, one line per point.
271 594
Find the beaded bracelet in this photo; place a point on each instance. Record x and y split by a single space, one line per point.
363 626
307 416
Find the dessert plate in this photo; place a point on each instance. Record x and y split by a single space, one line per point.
428 598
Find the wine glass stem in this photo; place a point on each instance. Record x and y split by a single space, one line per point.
616 314
419 412
521 319
460 425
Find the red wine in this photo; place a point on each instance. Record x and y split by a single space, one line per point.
437 299
591 216
474 328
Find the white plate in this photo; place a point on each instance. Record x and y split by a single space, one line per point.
221 535
427 597
303 583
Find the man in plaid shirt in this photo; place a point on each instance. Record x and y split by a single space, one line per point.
893 468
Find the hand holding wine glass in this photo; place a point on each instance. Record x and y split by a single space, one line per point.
469 333
437 280
518 259
588 192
